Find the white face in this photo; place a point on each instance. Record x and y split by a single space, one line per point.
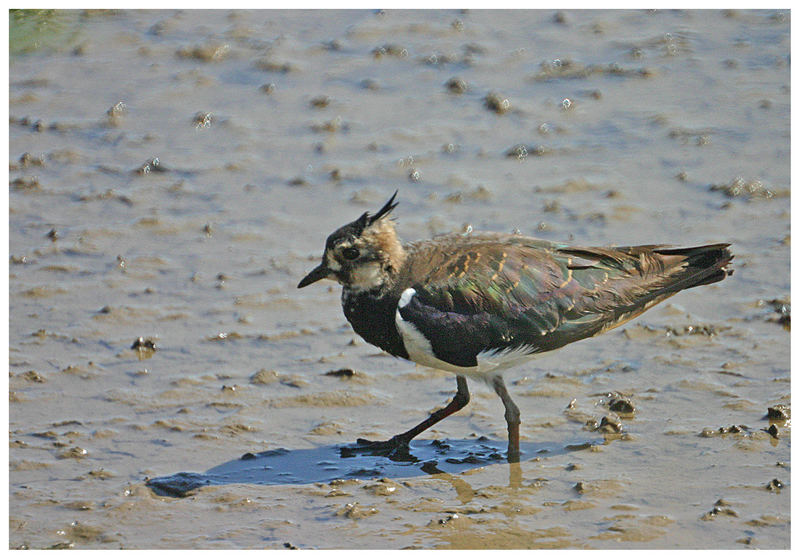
361 258
366 276
355 265
332 263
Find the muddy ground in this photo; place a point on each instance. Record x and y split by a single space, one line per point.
173 174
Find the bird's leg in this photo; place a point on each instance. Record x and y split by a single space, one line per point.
512 418
460 400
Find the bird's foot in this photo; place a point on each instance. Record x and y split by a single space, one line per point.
396 447
395 442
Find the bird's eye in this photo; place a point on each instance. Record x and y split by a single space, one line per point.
350 253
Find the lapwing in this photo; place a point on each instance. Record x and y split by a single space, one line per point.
479 303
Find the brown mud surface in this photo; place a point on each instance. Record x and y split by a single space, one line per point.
173 174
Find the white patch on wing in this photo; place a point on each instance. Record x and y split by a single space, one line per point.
420 351
405 297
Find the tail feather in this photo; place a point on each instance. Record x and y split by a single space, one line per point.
700 265
634 279
683 268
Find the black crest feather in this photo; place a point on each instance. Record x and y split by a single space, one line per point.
383 212
367 219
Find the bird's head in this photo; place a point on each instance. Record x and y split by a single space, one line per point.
363 255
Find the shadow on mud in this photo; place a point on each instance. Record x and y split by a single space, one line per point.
328 463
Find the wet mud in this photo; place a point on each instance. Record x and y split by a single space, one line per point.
173 174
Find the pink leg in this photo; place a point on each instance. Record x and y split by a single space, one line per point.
460 400
512 418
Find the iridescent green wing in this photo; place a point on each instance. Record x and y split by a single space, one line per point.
494 296
503 293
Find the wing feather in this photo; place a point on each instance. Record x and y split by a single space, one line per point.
496 293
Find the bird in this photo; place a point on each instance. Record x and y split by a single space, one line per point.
477 304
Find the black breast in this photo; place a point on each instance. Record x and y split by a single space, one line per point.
372 317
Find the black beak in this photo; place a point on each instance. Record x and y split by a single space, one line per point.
318 273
